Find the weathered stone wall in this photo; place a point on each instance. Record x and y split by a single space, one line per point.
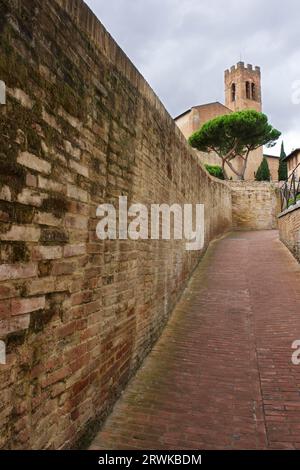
81 127
255 205
289 229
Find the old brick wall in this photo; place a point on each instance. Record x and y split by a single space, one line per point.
255 205
289 229
81 127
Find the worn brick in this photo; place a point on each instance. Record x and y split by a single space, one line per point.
40 286
61 268
21 233
80 169
50 185
75 152
45 218
54 377
7 291
13 325
17 271
30 197
63 284
22 306
31 180
76 222
47 252
21 96
5 193
74 250
34 163
58 389
5 308
77 193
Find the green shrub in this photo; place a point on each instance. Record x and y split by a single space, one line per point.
216 171
282 170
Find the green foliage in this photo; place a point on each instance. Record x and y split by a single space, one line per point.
263 172
216 171
282 170
291 201
235 134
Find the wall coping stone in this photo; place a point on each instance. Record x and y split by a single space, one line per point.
289 210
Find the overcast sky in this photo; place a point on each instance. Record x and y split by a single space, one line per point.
182 48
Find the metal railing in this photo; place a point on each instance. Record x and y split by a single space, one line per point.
290 191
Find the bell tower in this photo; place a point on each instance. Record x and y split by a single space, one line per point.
243 87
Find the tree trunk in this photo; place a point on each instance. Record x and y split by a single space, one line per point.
240 176
224 171
245 166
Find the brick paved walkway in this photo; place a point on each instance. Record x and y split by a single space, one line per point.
221 375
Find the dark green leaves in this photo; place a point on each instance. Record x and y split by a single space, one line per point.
235 134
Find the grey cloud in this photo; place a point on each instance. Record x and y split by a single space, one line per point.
182 48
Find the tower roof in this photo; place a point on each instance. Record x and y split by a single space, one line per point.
292 154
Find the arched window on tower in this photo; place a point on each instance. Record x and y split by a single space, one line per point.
233 92
248 94
253 91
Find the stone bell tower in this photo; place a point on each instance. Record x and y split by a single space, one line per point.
243 87
243 91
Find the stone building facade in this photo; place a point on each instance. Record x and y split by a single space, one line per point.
273 162
293 162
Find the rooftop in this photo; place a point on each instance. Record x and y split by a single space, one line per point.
292 154
201 106
271 156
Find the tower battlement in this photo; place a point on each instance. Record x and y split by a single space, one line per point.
241 65
243 87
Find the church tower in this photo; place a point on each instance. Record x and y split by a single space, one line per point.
243 87
243 91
